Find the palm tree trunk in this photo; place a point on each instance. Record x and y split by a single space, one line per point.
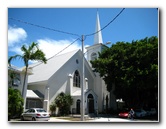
23 89
24 81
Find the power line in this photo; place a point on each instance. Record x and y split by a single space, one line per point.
67 32
106 24
51 30
44 27
58 52
64 48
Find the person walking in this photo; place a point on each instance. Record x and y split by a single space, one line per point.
131 114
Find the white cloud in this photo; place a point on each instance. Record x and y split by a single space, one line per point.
51 47
16 50
16 35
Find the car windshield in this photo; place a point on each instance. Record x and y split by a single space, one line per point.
26 111
40 110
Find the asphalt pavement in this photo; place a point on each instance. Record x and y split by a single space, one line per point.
92 119
96 119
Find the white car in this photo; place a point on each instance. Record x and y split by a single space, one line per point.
140 113
35 114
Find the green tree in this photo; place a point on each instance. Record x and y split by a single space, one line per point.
32 53
15 103
133 68
12 76
64 101
53 108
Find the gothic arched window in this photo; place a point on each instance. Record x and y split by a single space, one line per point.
76 80
93 56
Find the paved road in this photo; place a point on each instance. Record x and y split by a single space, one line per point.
100 119
95 119
53 119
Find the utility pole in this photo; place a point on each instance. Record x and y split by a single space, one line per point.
83 79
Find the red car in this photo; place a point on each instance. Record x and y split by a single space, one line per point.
124 114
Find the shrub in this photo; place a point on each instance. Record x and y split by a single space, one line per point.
64 101
15 103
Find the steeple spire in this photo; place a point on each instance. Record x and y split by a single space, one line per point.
98 36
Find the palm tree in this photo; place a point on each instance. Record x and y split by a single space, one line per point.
32 53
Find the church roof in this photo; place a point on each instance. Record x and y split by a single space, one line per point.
42 72
14 68
31 94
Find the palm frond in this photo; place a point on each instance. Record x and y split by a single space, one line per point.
24 48
13 58
39 56
33 46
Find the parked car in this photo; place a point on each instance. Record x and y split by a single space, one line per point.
140 113
35 114
124 114
151 111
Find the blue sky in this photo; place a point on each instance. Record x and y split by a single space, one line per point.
131 24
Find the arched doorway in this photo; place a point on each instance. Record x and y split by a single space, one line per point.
91 103
78 106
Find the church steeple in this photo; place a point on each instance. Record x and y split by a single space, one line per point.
98 46
98 36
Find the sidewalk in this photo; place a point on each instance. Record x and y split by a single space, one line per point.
103 119
74 118
87 119
53 119
96 119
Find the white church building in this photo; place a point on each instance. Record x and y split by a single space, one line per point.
64 73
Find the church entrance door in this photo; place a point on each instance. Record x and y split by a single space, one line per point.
91 103
78 107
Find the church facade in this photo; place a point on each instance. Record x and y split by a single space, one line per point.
64 73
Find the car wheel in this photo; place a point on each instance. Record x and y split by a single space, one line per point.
33 119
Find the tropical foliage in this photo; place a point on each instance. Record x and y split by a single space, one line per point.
133 68
30 53
53 108
12 78
63 102
15 103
